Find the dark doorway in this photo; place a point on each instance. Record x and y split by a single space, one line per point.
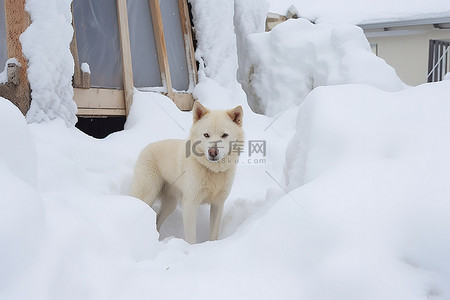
100 127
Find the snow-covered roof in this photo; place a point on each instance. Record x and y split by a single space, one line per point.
362 12
440 22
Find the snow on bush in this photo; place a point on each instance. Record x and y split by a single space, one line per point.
22 212
4 73
46 45
370 169
216 48
249 17
297 56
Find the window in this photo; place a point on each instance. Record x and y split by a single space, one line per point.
374 48
97 34
438 60
144 53
3 48
145 44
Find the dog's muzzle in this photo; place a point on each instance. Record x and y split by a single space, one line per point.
213 153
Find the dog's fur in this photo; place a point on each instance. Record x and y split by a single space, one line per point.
198 170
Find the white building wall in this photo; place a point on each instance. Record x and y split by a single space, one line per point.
406 49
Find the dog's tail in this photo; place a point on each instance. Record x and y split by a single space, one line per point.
147 181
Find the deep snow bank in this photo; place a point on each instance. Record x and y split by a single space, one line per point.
102 244
370 170
46 45
297 56
22 212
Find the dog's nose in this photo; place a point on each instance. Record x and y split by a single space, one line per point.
213 152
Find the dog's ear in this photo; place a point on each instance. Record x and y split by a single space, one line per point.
199 111
236 114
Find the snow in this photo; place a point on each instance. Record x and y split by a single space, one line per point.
447 76
85 68
46 45
216 40
97 237
350 200
370 170
363 11
249 17
284 67
22 223
4 73
365 218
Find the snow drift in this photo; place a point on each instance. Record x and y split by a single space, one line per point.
369 169
297 56
22 223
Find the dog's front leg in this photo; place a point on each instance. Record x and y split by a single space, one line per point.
215 216
190 220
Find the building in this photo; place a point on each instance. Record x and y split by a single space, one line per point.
419 50
117 45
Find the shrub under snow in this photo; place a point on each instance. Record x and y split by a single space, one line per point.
297 56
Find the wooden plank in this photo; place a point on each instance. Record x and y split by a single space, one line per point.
17 21
188 40
102 112
128 83
184 101
77 77
95 98
163 59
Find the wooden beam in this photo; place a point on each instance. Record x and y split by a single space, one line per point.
77 77
128 83
100 112
188 40
95 98
184 101
17 21
99 102
163 59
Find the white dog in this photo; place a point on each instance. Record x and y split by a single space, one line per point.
198 170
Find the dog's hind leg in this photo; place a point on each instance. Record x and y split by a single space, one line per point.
169 202
147 182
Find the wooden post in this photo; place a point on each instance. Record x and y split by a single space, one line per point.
13 73
17 21
74 50
163 60
128 83
188 41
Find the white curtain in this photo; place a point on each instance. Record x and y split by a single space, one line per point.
3 52
98 41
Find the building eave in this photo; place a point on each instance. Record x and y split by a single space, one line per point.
404 23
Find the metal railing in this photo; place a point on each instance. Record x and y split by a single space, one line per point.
439 60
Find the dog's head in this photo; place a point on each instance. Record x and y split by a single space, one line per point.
216 135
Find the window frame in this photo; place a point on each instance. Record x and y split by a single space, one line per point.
103 101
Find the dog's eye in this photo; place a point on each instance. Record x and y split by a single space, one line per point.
224 135
206 135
